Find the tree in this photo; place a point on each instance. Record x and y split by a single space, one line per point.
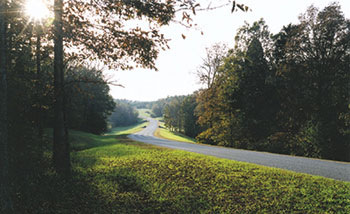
172 115
190 126
257 99
96 30
208 107
124 115
258 30
61 157
179 115
157 110
90 25
89 104
240 108
208 71
319 72
5 196
289 94
210 111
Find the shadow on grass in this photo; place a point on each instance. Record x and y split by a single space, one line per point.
88 143
87 152
118 192
90 190
102 181
174 182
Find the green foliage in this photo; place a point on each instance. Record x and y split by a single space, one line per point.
173 115
89 104
272 95
249 94
89 26
29 94
157 110
190 125
320 77
126 45
213 116
247 33
116 175
141 104
179 115
90 30
158 107
124 115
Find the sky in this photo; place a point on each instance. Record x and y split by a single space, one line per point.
177 65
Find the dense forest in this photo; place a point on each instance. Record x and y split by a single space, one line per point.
287 92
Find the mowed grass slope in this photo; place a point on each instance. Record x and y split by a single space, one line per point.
112 174
163 132
129 129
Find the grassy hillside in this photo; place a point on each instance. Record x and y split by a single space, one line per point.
129 129
163 132
112 174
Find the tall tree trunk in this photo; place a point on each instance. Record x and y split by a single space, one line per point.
5 196
38 46
61 156
39 110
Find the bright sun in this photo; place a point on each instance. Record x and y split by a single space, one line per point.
36 9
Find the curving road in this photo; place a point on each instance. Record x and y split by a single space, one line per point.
325 168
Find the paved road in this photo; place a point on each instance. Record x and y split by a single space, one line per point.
329 169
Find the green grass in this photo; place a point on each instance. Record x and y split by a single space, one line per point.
113 174
163 132
129 129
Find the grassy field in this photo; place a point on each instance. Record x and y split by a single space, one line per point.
129 129
112 174
163 132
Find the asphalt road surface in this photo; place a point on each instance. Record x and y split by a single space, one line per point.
330 169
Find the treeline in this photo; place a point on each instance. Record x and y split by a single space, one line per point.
287 93
124 114
88 103
179 115
157 107
178 112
